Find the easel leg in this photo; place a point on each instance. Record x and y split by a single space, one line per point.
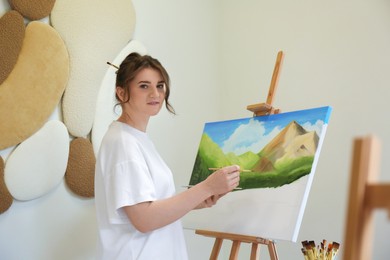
234 251
237 240
272 251
216 249
359 224
254 251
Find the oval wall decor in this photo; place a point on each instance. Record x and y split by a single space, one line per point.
33 10
93 31
6 197
35 86
80 172
44 156
12 31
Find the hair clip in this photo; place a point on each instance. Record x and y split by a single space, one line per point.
109 63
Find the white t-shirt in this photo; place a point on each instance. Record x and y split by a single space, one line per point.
128 171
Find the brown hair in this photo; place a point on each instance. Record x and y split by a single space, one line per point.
129 68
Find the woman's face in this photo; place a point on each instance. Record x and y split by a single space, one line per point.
147 92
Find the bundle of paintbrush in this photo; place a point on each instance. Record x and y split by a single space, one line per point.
320 252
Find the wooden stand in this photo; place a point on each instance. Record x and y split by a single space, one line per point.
365 195
258 110
267 108
237 240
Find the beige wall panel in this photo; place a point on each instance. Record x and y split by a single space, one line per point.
94 32
34 88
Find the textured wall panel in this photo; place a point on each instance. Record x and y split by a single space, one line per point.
6 199
106 98
38 164
80 172
12 31
34 88
94 32
33 10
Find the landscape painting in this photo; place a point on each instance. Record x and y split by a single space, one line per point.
277 155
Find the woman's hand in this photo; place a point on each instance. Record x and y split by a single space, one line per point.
223 180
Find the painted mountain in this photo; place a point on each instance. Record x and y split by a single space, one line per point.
281 153
288 156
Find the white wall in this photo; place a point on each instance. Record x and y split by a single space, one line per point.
336 53
220 55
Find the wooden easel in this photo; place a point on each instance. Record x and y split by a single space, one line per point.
237 240
365 195
258 110
267 108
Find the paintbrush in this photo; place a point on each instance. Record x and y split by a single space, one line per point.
304 252
335 249
216 169
190 186
321 252
115 66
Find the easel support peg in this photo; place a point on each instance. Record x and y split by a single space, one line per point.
267 108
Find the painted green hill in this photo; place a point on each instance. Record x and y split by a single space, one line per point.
286 158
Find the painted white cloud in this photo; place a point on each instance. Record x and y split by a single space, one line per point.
317 126
246 138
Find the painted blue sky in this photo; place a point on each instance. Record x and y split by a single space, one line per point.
252 134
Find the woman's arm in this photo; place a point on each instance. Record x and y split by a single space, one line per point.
147 216
209 202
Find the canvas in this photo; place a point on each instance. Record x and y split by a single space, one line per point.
278 155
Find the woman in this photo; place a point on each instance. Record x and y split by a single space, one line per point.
138 211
